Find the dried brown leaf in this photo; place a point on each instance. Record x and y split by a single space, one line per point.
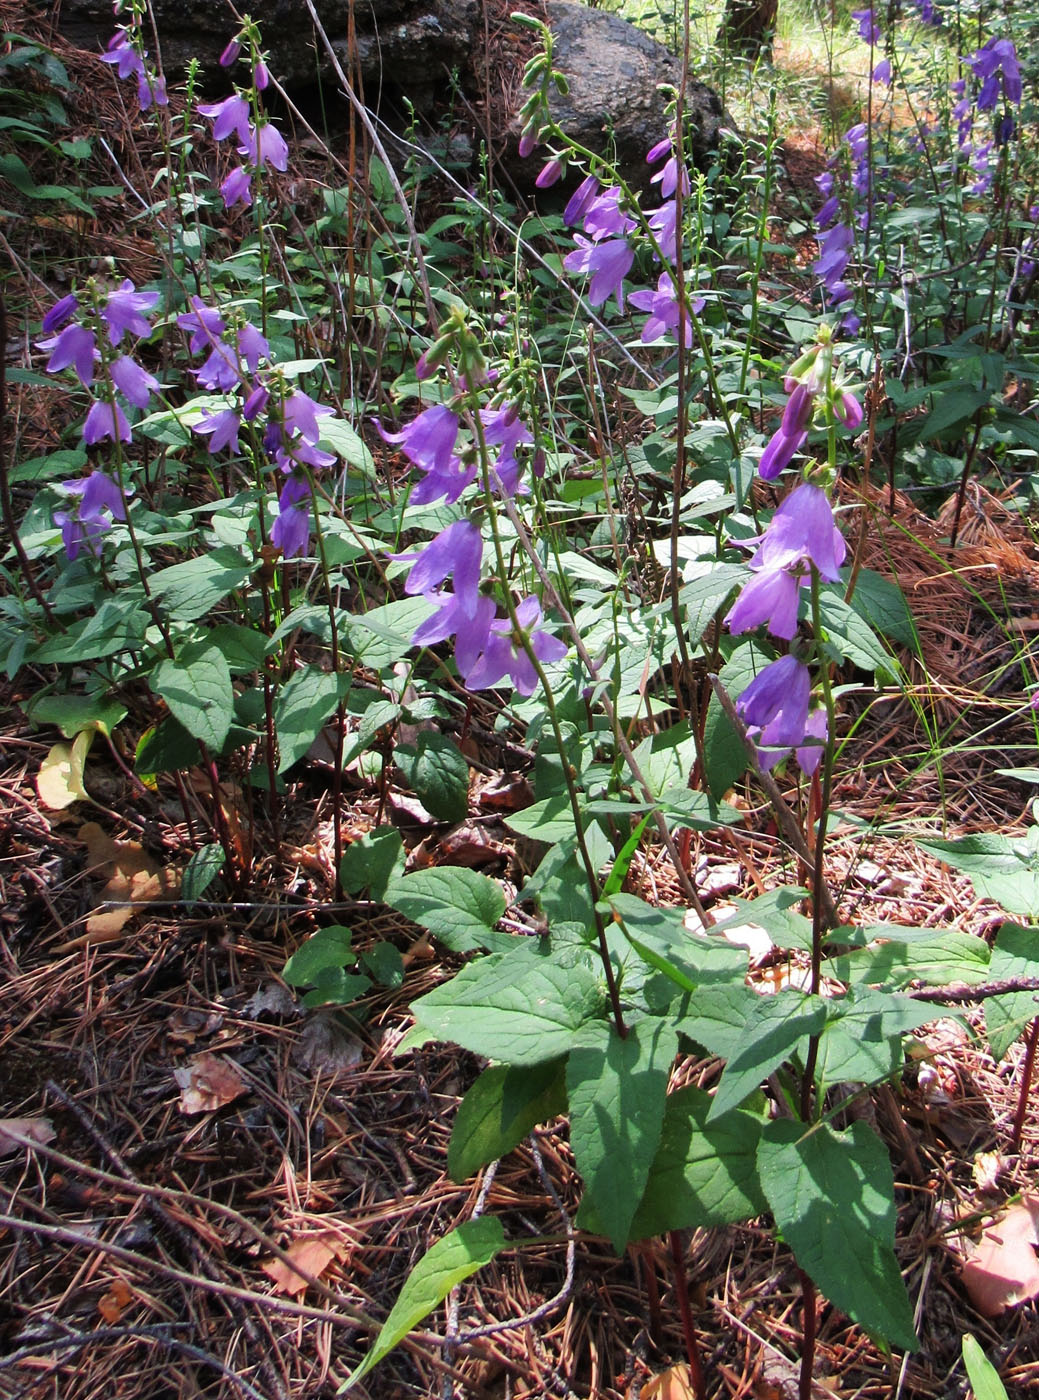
208 1082
112 1304
312 1253
1004 1269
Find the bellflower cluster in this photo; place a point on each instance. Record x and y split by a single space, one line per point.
96 502
489 648
258 141
74 345
605 252
127 57
811 385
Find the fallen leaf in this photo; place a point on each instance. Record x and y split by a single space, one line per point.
312 1254
324 1047
39 1130
468 844
505 793
273 1000
60 779
208 1082
986 1170
674 1384
1003 1268
112 1304
133 879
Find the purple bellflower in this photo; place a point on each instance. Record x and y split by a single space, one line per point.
105 420
205 324
300 411
505 656
265 145
456 552
236 188
665 316
428 442
774 707
471 632
133 381
75 346
99 502
997 66
60 314
608 262
580 201
502 427
231 116
124 311
221 429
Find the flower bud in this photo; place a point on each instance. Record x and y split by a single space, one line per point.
550 174
261 76
231 53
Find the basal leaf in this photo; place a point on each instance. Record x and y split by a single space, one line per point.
832 1195
1016 954
302 706
516 1007
74 713
437 773
773 1029
116 626
1003 868
498 1112
328 948
193 588
704 1174
616 1090
862 1039
371 862
900 956
197 688
457 905
452 1259
200 872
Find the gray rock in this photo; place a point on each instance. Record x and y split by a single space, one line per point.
614 70
412 45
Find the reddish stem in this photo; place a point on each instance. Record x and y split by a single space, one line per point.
1026 1083
804 1388
692 1351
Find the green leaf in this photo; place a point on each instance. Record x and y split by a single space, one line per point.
907 955
328 948
981 1373
551 820
244 648
385 964
881 602
197 688
662 940
382 636
192 589
15 170
74 713
301 708
774 1027
200 872
457 905
1016 954
516 1006
707 588
950 410
334 986
862 1039
852 634
704 1174
832 1195
165 748
452 1259
116 626
378 715
339 437
498 1112
438 774
666 759
372 862
1003 868
616 1090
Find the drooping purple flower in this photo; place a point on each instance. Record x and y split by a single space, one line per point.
997 65
778 453
75 346
291 531
608 262
774 707
221 429
294 453
133 381
604 218
665 315
503 428
550 174
771 598
849 411
253 347
236 188
98 493
828 212
579 201
527 142
659 151
151 87
60 314
220 371
265 145
124 311
230 116
301 412
122 54
471 632
77 533
881 74
255 403
428 441
810 755
802 531
669 178
868 28
504 655
205 324
798 412
97 501
456 552
105 420
664 223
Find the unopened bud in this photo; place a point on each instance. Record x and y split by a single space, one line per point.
230 55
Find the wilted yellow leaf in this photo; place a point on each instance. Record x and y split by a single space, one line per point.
60 779
673 1384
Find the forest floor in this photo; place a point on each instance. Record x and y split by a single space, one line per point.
225 1193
